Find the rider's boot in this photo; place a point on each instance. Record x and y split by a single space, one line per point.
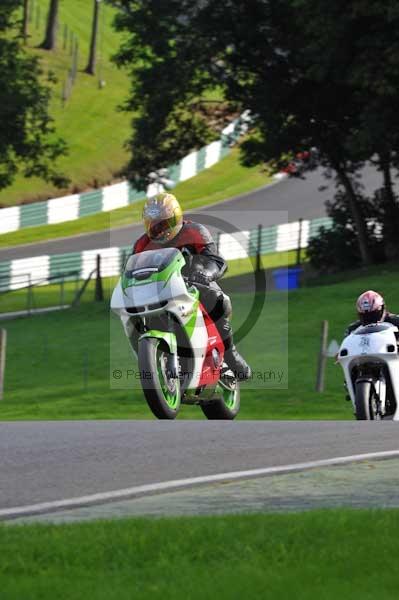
237 364
232 357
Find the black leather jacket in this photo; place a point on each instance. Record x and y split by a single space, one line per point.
196 242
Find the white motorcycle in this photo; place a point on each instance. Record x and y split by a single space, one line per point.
178 347
370 361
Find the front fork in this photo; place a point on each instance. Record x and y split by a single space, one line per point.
379 388
169 339
135 335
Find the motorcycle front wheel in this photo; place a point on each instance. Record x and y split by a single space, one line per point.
161 390
365 402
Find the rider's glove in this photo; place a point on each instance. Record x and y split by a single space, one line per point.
199 277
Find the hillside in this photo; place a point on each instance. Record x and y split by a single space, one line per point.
89 121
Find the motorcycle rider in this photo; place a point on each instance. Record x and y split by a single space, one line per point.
371 308
165 228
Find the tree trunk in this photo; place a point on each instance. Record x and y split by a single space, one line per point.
360 223
391 211
25 20
50 39
91 65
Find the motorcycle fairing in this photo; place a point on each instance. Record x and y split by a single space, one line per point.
210 369
367 344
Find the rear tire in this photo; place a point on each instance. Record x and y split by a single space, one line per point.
225 406
366 408
162 393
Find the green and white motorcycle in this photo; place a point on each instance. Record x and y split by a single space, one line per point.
179 349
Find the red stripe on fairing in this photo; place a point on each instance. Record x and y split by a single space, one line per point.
210 374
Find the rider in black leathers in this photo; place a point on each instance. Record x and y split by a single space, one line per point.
371 308
165 228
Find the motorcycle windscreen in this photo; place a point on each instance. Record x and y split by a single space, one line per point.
151 260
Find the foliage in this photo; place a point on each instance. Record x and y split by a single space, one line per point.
27 140
336 249
165 87
88 121
310 71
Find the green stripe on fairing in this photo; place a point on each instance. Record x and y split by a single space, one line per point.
190 325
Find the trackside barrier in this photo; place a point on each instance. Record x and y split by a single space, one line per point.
42 270
118 195
25 283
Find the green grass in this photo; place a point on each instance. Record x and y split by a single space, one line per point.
226 179
307 556
90 123
60 366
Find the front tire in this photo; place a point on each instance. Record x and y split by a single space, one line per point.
365 402
162 392
226 405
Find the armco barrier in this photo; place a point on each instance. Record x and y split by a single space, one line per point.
41 270
75 206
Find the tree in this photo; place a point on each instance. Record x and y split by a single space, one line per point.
50 40
164 124
25 20
304 68
91 65
27 141
335 248
371 74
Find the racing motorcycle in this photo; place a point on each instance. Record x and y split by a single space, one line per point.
370 361
178 347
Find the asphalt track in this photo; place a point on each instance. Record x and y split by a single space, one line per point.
280 202
52 461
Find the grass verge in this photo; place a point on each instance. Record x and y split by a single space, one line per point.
321 554
226 179
89 121
59 366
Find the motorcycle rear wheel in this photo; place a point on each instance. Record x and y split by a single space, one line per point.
225 406
162 392
365 402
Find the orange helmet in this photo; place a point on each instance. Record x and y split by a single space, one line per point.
370 307
163 217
